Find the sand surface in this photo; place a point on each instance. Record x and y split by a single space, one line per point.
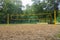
29 32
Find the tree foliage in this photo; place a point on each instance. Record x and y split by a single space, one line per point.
31 12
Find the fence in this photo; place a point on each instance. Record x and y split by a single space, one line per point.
24 18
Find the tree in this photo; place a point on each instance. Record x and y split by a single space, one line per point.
46 6
11 7
29 14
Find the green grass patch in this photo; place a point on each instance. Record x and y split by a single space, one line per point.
58 35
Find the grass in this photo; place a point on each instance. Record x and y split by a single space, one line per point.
58 35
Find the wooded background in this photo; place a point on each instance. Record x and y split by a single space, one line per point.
37 12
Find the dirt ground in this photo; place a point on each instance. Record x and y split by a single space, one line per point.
29 32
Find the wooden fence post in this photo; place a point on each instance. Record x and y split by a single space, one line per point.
7 18
54 16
